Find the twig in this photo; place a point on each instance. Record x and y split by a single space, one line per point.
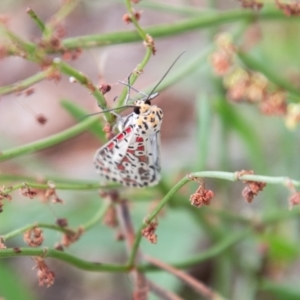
198 286
18 231
140 282
196 23
161 292
212 252
49 141
63 256
206 174
24 84
40 24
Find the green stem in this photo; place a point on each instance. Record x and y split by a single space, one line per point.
206 174
204 116
65 257
134 75
134 20
56 180
196 23
49 141
94 220
153 214
68 70
97 217
59 16
28 47
64 11
178 9
22 85
37 20
214 251
19 231
59 186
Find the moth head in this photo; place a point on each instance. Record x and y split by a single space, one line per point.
141 106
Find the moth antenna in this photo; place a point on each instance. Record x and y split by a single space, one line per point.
165 74
130 86
106 110
28 108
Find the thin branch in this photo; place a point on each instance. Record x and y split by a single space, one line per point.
92 222
40 24
49 141
206 174
70 71
97 217
177 9
196 23
212 252
21 230
140 282
135 75
24 84
135 22
162 293
198 286
65 257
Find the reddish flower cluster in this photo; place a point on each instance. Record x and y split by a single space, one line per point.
34 237
104 88
253 4
41 119
128 19
26 191
247 86
62 222
252 188
72 54
71 237
201 197
51 194
294 200
149 232
3 196
44 274
289 9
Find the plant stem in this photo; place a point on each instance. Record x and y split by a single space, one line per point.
200 22
22 85
134 75
49 141
70 71
206 174
65 257
97 217
19 231
40 24
134 20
